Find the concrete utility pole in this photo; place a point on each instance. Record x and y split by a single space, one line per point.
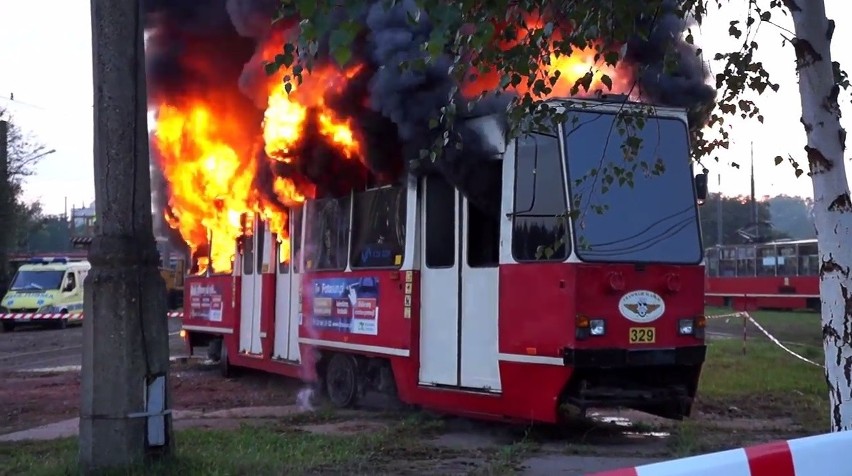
124 416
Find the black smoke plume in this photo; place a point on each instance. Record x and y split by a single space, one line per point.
391 109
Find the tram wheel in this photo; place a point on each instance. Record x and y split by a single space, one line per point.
341 380
225 368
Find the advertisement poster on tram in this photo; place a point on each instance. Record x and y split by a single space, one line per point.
347 305
205 302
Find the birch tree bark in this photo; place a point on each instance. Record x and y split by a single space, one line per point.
819 89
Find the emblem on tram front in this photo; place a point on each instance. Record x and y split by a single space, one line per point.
641 306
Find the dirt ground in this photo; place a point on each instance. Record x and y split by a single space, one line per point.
31 396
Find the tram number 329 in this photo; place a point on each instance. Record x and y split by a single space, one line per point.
642 335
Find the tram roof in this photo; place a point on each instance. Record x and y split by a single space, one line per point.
808 241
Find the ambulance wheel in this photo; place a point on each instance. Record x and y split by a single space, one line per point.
8 326
341 380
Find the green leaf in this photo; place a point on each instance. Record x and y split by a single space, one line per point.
306 8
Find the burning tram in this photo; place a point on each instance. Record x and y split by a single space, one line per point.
519 312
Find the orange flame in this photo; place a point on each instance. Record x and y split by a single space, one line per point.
207 156
211 182
569 67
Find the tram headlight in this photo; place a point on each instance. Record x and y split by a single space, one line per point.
691 327
589 327
685 327
597 327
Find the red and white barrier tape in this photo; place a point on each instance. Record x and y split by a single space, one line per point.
728 316
73 316
767 334
819 455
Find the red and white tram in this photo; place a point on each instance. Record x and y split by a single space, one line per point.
410 289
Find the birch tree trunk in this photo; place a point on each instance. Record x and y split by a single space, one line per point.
825 147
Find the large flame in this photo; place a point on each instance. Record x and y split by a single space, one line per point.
209 159
212 156
568 67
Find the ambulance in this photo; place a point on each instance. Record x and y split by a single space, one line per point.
44 286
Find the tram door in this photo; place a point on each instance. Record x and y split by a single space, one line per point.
459 292
287 282
255 262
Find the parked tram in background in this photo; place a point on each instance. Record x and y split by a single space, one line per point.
782 275
522 315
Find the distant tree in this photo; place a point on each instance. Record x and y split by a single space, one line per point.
24 153
44 233
737 215
792 216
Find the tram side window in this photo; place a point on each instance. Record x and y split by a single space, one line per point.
746 265
483 220
284 246
786 258
295 218
248 254
539 200
712 257
326 240
261 235
728 262
378 228
440 232
766 260
808 259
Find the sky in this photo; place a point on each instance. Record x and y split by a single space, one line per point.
45 62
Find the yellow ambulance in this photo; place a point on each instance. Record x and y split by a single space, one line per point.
45 286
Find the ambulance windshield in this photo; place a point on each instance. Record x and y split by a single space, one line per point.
31 280
632 188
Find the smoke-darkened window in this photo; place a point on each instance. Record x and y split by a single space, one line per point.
378 228
632 188
295 219
248 254
483 226
538 226
261 236
440 223
327 233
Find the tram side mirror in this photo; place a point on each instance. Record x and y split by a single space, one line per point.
701 188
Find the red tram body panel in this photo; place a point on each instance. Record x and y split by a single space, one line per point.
411 290
780 275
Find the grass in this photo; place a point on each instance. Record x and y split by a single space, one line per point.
282 448
765 368
766 381
271 449
799 328
244 451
